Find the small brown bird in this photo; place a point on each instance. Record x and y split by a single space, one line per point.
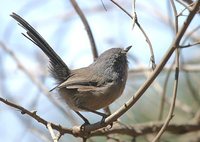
89 88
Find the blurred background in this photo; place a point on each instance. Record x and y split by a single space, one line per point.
24 77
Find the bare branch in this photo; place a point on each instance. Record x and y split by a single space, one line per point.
171 111
189 45
90 130
175 15
87 27
134 17
54 137
183 68
135 130
113 117
188 1
162 102
149 128
36 117
187 6
40 86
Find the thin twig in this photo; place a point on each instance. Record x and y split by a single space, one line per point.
103 5
175 88
113 117
175 15
189 1
183 68
36 117
170 114
52 132
87 27
185 5
189 45
163 97
143 129
113 1
40 86
133 13
152 58
181 13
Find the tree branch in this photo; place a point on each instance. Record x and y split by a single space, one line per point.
132 130
87 27
39 85
36 117
149 128
134 17
113 117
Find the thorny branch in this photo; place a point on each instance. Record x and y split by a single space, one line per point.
36 117
135 130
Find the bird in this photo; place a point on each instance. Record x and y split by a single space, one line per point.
88 88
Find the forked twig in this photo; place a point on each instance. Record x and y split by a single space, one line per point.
152 58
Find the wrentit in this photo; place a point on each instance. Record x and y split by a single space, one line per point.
88 88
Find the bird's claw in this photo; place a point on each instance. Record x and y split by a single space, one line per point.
84 124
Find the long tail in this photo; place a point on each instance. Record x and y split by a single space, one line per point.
58 68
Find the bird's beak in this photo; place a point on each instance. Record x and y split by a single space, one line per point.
127 48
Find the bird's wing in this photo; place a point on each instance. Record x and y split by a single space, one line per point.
80 80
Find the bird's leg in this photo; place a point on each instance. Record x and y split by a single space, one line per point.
82 126
104 116
84 119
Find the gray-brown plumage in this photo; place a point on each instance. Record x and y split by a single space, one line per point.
89 88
